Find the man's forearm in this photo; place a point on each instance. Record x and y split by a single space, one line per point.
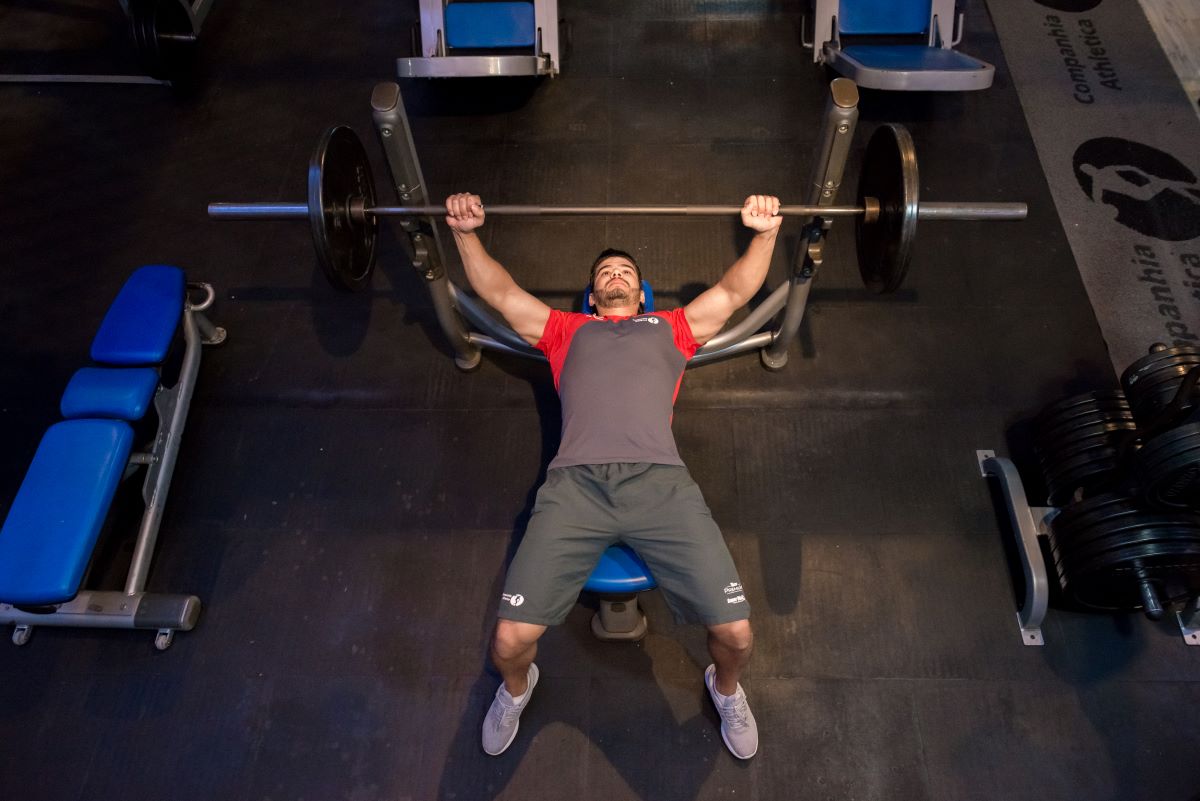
486 275
747 274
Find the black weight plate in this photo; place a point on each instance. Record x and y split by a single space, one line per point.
339 174
1148 554
1154 358
1075 522
1080 428
1175 576
889 174
1069 441
1089 400
1169 444
163 37
1173 479
1127 533
1079 418
1078 443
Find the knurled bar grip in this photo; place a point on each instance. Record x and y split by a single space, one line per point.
935 211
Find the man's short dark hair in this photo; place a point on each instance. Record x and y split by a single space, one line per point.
609 253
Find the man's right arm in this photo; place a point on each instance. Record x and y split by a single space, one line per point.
526 314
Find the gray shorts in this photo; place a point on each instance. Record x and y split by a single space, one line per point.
655 509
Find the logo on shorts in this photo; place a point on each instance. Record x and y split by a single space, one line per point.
516 599
737 599
733 587
651 320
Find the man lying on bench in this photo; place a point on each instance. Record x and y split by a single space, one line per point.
48 539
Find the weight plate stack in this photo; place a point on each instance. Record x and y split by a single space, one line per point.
1110 554
1153 381
1080 441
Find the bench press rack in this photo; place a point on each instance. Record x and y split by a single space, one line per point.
454 307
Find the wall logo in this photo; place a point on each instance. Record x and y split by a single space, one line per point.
1070 6
1143 188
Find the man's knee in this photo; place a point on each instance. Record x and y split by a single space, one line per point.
736 636
513 638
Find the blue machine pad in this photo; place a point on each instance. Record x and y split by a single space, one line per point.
142 319
620 571
120 392
51 530
484 25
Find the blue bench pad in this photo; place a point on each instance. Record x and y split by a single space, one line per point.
884 16
120 392
911 58
484 25
47 540
141 321
619 571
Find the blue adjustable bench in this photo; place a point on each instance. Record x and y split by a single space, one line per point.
904 45
620 574
50 533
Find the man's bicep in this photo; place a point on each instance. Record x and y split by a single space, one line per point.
709 312
526 314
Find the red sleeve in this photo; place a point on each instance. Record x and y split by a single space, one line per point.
684 340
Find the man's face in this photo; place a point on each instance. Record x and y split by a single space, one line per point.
616 283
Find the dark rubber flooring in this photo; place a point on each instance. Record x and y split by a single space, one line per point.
346 499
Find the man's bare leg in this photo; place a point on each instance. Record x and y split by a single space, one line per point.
730 645
513 650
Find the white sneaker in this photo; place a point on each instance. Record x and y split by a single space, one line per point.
504 717
738 729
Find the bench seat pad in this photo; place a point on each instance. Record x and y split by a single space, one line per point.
619 571
47 540
123 393
142 319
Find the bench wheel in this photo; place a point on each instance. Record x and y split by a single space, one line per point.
164 638
21 634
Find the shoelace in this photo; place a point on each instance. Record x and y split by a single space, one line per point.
508 713
737 714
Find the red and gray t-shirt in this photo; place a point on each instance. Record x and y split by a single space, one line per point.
617 378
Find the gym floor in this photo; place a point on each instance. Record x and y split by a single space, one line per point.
346 499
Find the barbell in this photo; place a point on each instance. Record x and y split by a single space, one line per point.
344 217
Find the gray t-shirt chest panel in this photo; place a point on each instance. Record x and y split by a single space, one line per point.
617 389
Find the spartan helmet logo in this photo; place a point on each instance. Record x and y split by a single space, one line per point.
1140 187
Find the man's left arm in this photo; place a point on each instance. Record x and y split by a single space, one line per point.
708 313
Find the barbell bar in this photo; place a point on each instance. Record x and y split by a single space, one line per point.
344 216
935 211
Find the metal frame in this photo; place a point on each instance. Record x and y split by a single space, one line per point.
470 329
133 608
197 11
1029 523
436 62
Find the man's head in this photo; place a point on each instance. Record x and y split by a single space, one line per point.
615 283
